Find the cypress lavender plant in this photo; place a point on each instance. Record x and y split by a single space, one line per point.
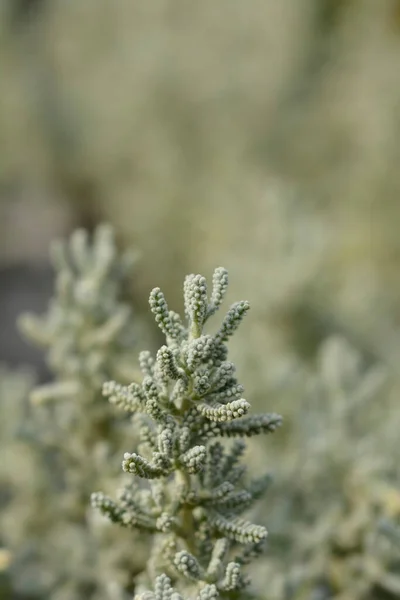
89 335
190 490
339 479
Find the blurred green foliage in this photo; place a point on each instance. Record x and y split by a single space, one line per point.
174 121
66 442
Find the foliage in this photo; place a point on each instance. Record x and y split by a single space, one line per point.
89 335
334 509
190 490
339 478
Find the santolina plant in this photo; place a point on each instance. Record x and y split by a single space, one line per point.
89 334
190 489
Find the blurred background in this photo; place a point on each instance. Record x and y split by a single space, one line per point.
262 136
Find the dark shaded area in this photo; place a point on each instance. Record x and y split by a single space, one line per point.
23 288
21 11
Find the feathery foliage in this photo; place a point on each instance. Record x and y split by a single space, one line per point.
190 491
339 478
89 335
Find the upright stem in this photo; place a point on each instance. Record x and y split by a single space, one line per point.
184 484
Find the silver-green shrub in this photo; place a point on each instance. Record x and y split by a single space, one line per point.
72 436
338 478
190 490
